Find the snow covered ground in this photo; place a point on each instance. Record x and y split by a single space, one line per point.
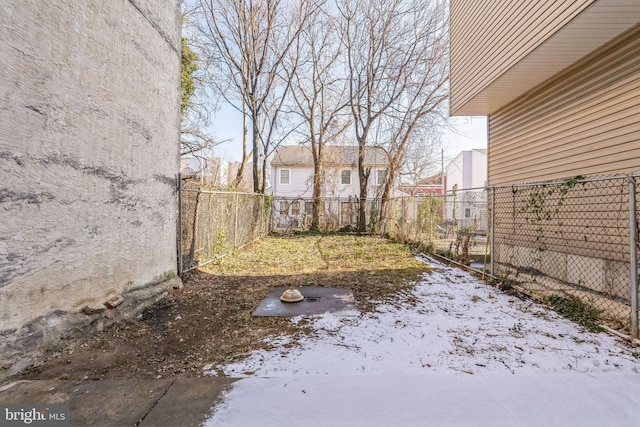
454 352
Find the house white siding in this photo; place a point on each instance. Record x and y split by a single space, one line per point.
300 182
298 161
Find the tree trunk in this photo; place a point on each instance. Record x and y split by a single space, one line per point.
263 175
384 200
245 157
317 188
256 157
363 178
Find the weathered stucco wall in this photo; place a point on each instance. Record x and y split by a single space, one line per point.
89 122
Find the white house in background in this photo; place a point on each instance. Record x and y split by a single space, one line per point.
292 183
292 171
466 171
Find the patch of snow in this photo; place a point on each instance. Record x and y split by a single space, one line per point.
460 337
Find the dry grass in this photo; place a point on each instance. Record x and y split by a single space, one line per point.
209 321
375 268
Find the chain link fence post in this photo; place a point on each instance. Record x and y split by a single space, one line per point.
179 231
235 225
430 218
633 246
492 249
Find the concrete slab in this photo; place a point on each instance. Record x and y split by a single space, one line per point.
93 403
115 402
43 391
317 300
187 403
164 402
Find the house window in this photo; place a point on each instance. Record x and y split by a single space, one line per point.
284 207
308 208
345 176
467 212
295 207
284 176
381 176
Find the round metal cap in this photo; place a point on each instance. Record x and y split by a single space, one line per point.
291 295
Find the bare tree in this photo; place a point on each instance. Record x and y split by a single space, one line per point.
247 42
197 103
393 56
319 93
422 156
425 89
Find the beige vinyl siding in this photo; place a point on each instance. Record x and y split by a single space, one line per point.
490 37
567 232
586 121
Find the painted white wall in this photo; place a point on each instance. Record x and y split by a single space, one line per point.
454 172
478 169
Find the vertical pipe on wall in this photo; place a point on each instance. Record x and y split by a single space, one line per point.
633 246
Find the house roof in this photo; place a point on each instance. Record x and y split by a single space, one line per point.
301 155
431 180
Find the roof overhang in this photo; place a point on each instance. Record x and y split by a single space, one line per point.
598 24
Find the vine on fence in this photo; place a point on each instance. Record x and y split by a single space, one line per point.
542 211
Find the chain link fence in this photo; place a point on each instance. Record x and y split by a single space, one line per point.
453 225
214 223
571 241
295 214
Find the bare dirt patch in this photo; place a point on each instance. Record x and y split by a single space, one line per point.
209 322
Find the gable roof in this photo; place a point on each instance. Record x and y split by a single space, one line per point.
301 155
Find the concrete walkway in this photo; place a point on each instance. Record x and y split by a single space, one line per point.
115 403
